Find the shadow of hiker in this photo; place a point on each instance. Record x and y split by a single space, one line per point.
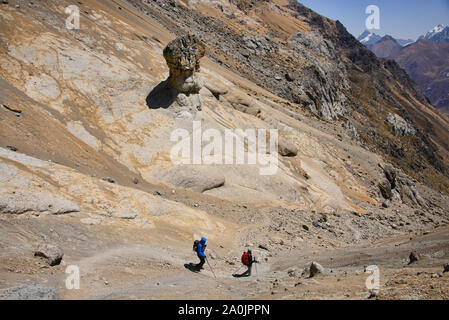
161 96
245 274
191 267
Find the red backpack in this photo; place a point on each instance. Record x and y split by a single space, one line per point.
245 258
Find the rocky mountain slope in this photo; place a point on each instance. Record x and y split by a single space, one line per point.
427 63
321 68
385 47
86 120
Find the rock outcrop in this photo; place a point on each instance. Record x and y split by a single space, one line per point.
400 186
21 201
400 127
322 82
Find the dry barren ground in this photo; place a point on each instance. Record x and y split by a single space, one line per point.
83 162
125 263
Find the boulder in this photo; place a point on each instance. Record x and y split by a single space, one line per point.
446 267
240 101
413 257
287 148
197 178
31 291
52 253
217 89
315 268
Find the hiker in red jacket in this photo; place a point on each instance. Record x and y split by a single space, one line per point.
247 260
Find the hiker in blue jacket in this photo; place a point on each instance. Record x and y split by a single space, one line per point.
200 252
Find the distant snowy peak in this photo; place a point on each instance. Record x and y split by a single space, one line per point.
437 29
439 34
368 38
405 42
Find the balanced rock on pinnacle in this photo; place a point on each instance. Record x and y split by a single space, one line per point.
183 59
180 91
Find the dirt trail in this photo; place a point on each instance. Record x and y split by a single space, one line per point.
344 271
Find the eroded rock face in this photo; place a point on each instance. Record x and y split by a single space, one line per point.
183 59
321 83
399 185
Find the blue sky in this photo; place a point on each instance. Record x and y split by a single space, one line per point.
401 19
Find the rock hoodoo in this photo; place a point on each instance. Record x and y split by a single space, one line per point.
181 89
183 59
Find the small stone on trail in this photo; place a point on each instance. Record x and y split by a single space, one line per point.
109 179
52 253
413 257
315 268
446 267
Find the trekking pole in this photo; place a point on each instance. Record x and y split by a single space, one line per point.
257 273
207 260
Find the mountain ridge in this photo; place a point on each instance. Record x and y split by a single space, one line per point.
439 34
